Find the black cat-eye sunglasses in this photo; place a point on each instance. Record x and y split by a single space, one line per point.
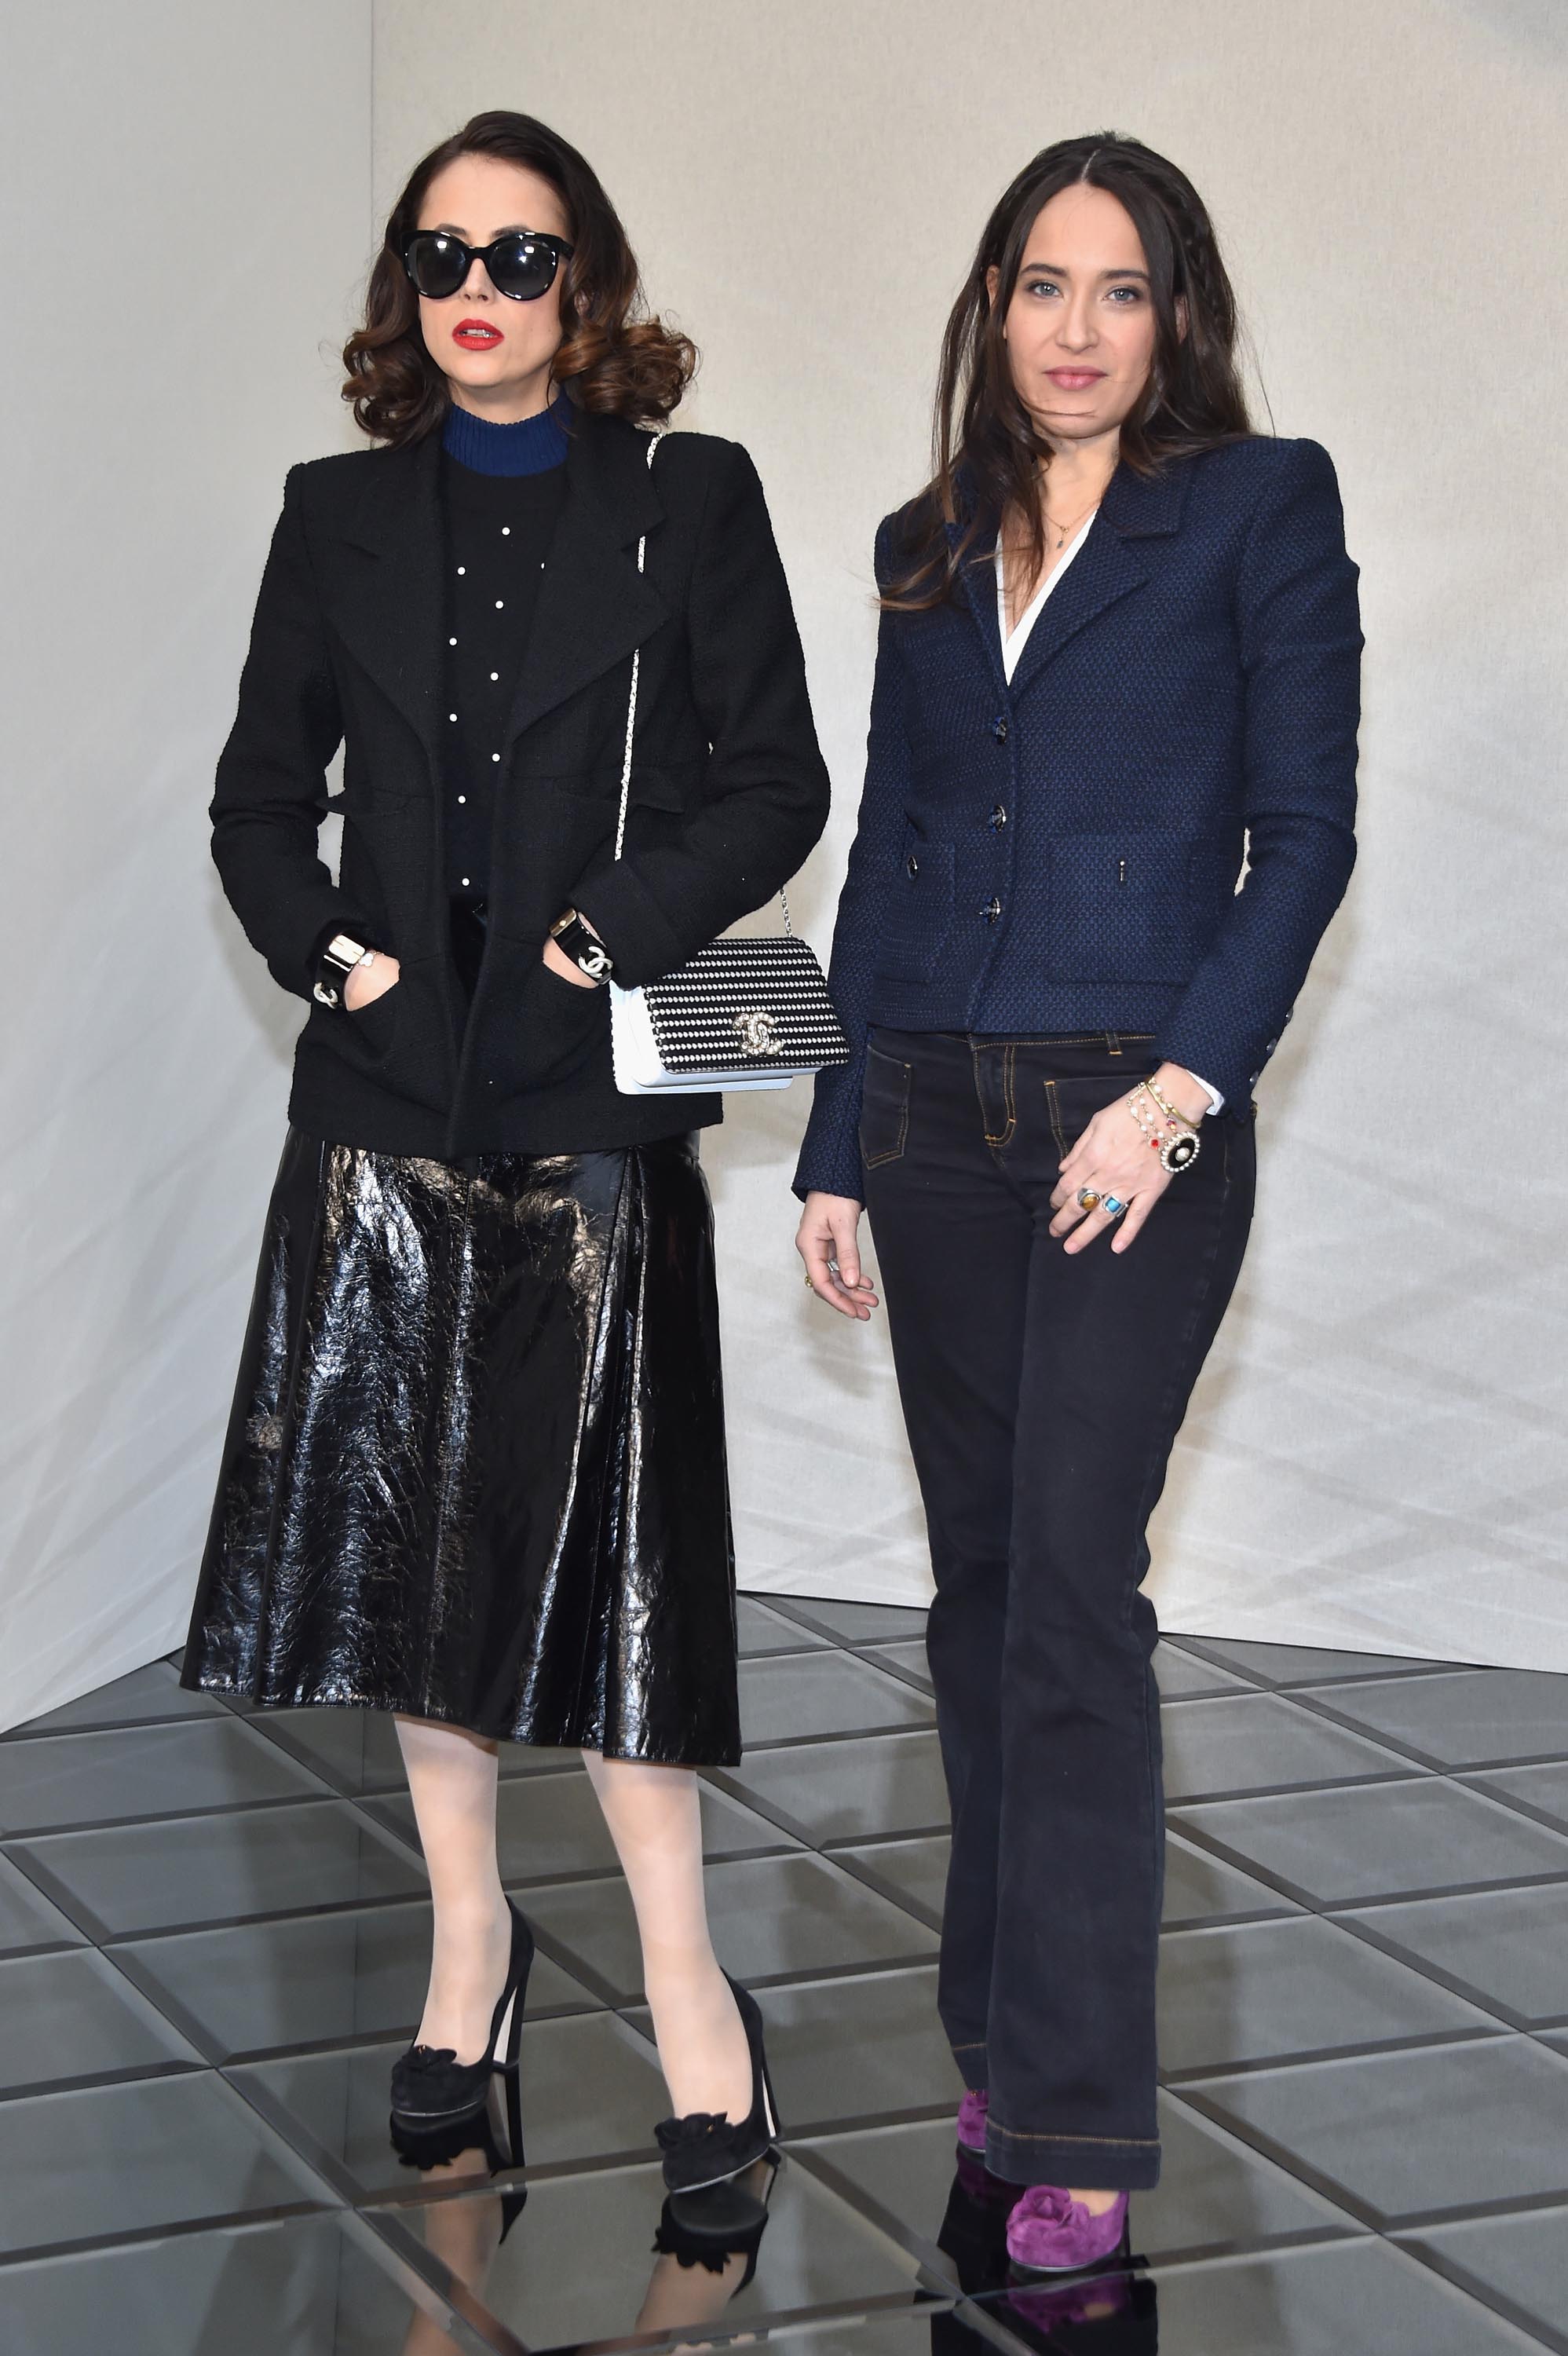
521 265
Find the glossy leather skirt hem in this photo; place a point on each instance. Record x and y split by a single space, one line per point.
474 1470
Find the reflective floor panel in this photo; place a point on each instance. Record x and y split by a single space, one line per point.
321 2285
214 1931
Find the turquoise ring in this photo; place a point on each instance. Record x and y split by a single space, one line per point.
1113 1205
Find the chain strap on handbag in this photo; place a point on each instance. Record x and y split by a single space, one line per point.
746 1012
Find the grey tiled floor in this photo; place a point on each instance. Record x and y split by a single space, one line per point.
214 1932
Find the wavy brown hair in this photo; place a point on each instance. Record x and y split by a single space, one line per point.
615 359
986 451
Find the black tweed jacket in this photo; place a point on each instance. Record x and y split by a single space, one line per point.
1061 853
729 789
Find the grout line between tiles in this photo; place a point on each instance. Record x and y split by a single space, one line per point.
1449 2269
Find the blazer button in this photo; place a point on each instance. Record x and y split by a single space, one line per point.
911 864
998 817
999 727
991 911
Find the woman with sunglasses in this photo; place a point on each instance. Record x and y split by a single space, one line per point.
1119 649
475 1475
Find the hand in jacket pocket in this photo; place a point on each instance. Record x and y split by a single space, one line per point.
366 982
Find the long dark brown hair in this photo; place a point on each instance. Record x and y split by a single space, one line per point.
615 358
986 451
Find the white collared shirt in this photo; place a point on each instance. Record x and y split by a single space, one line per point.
1015 640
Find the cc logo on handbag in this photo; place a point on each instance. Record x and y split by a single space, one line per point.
759 1031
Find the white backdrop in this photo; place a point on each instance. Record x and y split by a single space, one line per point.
1375 1458
187 190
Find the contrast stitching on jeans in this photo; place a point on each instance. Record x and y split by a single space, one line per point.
1118 2143
998 1138
1093 1039
1053 1106
875 1160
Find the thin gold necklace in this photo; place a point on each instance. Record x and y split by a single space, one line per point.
1062 530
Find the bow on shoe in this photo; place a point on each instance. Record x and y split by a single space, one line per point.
680 2135
424 2060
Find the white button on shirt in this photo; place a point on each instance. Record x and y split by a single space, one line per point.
1014 642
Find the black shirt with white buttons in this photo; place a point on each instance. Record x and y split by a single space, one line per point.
498 531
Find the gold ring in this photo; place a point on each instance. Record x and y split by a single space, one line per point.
809 1286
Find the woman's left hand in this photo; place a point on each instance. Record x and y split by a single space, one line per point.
1114 1157
555 956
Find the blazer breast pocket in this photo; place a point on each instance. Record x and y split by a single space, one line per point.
655 785
665 785
1124 905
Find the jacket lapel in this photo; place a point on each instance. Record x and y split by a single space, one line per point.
1113 561
391 610
977 587
594 606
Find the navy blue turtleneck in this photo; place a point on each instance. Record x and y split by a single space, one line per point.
502 489
531 446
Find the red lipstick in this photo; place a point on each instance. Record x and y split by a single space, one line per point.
476 335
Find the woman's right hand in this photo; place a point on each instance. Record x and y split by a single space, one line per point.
827 1241
367 981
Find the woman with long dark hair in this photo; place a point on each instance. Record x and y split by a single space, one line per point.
475 1475
1119 656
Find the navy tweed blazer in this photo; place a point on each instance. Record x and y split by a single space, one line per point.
1061 854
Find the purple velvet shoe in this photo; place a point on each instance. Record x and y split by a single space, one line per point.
1050 2233
972 2112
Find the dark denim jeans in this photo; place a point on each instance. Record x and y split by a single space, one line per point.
1041 1395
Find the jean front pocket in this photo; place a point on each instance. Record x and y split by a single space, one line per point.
1073 1102
884 1109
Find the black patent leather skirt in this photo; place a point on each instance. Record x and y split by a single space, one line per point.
475 1469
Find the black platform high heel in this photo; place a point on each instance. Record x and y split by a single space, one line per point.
430 2084
704 2147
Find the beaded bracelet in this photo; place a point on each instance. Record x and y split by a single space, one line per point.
1151 1126
1173 1138
1163 1101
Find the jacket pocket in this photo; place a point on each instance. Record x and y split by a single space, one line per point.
661 785
395 1041
917 914
1133 906
670 784
884 1109
376 1020
549 1030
